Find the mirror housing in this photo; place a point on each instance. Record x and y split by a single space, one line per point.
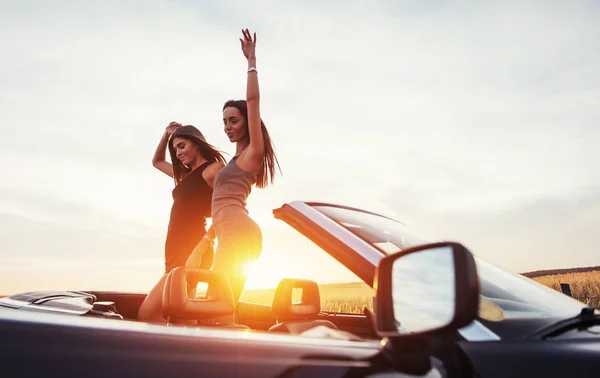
177 306
460 303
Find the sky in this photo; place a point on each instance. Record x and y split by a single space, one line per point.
473 122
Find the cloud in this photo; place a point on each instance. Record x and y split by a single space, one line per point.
536 233
50 243
37 226
444 113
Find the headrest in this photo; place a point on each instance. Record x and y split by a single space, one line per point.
177 305
308 307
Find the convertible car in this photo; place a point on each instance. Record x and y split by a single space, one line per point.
437 311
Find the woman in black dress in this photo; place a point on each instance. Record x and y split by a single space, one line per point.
195 166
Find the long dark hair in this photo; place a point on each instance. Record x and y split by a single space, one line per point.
208 151
266 175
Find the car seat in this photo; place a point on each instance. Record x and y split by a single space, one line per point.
298 317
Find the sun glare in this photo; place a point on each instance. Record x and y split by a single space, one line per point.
261 276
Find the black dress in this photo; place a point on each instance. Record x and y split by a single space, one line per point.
187 225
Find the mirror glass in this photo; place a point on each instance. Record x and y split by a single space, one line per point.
424 289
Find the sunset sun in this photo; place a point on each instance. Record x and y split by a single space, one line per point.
260 275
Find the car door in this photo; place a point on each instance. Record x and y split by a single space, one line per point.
38 344
576 357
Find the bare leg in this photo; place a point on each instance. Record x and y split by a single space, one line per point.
151 309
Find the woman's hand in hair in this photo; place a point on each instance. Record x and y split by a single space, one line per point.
158 160
172 127
248 45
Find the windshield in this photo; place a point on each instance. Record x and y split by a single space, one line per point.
504 295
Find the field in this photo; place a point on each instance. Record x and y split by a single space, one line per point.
585 286
348 298
351 298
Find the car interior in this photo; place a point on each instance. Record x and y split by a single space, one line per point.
216 307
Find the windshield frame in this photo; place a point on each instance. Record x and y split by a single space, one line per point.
426 238
525 287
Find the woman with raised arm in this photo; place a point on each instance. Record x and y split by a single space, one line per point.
195 166
239 237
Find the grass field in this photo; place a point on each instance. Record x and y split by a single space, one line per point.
347 298
585 286
351 298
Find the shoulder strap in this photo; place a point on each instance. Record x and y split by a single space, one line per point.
204 166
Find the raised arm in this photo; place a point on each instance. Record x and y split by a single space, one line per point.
256 149
158 161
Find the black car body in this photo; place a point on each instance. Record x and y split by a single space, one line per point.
494 323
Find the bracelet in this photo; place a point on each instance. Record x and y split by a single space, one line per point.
250 69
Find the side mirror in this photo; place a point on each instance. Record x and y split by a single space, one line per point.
429 290
178 306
